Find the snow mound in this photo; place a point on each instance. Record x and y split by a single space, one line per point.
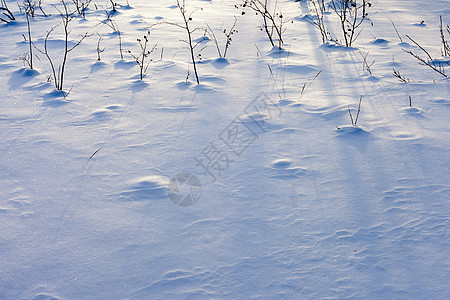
146 188
381 42
283 169
349 130
412 111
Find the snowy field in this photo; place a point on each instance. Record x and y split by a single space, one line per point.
255 183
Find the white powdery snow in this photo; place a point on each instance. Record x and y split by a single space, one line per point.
253 184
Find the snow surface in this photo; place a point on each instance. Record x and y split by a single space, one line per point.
305 206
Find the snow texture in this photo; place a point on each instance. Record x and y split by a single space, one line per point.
253 184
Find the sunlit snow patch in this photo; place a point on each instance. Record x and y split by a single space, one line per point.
297 68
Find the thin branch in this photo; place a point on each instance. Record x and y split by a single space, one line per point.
421 48
359 110
395 28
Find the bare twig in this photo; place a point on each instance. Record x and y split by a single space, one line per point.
355 121
99 50
5 14
359 110
429 61
228 35
81 6
396 31
273 22
366 65
445 46
28 11
93 154
351 117
397 74
421 48
187 18
319 10
113 25
351 14
59 72
143 55
308 84
274 81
